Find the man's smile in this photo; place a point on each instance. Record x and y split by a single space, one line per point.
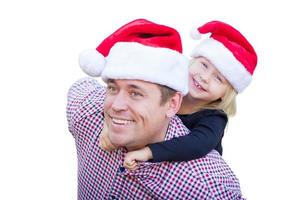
120 121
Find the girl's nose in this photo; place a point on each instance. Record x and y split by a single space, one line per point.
204 77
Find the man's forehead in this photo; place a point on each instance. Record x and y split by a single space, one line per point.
133 83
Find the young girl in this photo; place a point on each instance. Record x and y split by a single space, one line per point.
222 67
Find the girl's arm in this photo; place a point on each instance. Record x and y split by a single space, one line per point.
206 134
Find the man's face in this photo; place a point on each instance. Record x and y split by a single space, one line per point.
133 113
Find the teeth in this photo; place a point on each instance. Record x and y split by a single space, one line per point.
121 121
197 84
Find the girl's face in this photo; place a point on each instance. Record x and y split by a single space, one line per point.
206 83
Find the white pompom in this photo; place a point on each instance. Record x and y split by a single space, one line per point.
92 62
194 33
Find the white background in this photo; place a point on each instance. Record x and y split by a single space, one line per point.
39 46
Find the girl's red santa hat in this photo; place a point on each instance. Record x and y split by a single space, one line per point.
140 50
228 50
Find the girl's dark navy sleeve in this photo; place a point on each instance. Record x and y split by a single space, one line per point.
206 134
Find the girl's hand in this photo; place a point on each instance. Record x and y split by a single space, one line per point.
105 142
130 164
131 158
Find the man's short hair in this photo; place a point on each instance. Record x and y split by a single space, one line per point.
166 93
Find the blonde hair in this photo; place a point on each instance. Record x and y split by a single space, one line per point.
227 103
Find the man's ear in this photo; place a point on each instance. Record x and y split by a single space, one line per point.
174 104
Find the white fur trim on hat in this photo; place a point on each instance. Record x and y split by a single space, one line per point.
195 34
225 62
92 62
131 60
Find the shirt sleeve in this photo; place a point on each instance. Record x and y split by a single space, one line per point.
80 95
203 138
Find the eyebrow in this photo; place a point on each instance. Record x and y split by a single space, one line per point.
110 81
133 86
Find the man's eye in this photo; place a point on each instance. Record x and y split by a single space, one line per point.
136 94
111 89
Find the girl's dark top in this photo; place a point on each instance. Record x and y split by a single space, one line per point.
207 130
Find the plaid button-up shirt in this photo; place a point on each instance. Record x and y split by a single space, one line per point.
101 175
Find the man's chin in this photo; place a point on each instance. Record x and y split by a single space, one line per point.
117 140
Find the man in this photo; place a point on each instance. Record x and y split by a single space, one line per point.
146 77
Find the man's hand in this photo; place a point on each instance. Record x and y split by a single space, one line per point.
105 142
131 158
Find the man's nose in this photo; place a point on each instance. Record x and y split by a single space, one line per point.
120 102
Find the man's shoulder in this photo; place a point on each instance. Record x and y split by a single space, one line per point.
176 128
212 164
208 177
214 174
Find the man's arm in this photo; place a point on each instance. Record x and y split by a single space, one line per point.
80 96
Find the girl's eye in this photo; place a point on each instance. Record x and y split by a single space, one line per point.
204 65
219 79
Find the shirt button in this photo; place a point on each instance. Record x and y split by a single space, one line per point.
121 169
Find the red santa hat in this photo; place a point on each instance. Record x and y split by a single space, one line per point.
229 51
140 50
